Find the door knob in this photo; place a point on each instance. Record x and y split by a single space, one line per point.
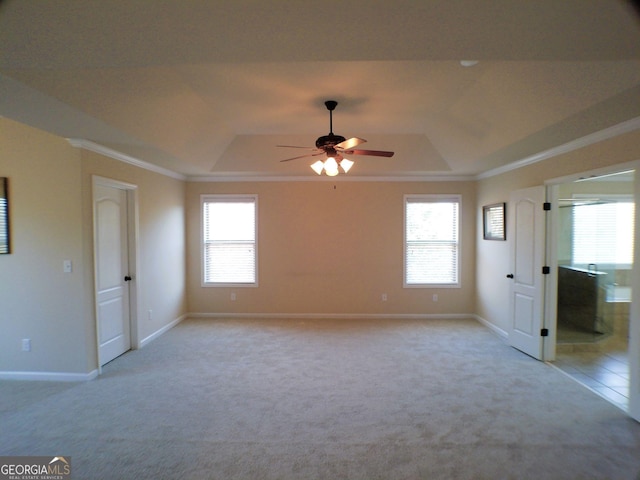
127 278
510 275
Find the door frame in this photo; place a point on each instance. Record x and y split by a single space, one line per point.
551 286
131 192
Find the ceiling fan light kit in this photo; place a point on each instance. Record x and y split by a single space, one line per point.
330 166
334 146
346 164
318 167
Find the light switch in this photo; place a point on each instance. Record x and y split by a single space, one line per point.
67 266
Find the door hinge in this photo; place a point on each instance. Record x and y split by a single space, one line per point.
546 270
544 332
546 206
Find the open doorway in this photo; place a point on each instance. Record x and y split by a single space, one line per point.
594 282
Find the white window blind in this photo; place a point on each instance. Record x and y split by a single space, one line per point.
603 233
4 217
4 226
229 239
431 240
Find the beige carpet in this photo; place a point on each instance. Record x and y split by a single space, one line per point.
323 399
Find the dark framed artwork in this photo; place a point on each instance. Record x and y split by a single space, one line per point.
5 244
494 221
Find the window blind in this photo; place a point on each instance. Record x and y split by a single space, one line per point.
229 239
603 233
431 240
4 226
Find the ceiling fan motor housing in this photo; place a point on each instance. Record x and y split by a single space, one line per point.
334 145
329 140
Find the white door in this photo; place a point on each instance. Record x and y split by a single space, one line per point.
112 271
526 217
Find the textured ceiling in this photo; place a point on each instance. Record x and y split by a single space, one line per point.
209 88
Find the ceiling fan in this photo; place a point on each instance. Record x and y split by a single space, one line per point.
334 147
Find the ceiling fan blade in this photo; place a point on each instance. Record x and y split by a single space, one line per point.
295 146
302 156
350 143
374 153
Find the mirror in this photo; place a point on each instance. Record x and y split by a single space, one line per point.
5 245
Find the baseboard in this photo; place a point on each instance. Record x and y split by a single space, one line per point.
49 376
163 330
497 330
332 316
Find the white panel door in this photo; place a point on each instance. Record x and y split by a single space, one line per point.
527 220
112 272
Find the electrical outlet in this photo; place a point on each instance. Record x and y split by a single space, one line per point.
67 266
435 297
233 296
26 344
384 297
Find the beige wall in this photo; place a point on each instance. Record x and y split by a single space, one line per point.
493 258
161 238
51 221
37 300
331 247
324 247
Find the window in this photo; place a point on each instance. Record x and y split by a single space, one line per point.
603 231
229 239
431 247
4 217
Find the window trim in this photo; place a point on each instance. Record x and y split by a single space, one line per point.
204 198
431 198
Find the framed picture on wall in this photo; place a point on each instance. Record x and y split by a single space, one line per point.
5 245
494 221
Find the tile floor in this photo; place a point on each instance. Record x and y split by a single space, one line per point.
605 372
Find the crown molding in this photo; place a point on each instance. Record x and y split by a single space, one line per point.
332 316
339 178
599 136
109 152
114 154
